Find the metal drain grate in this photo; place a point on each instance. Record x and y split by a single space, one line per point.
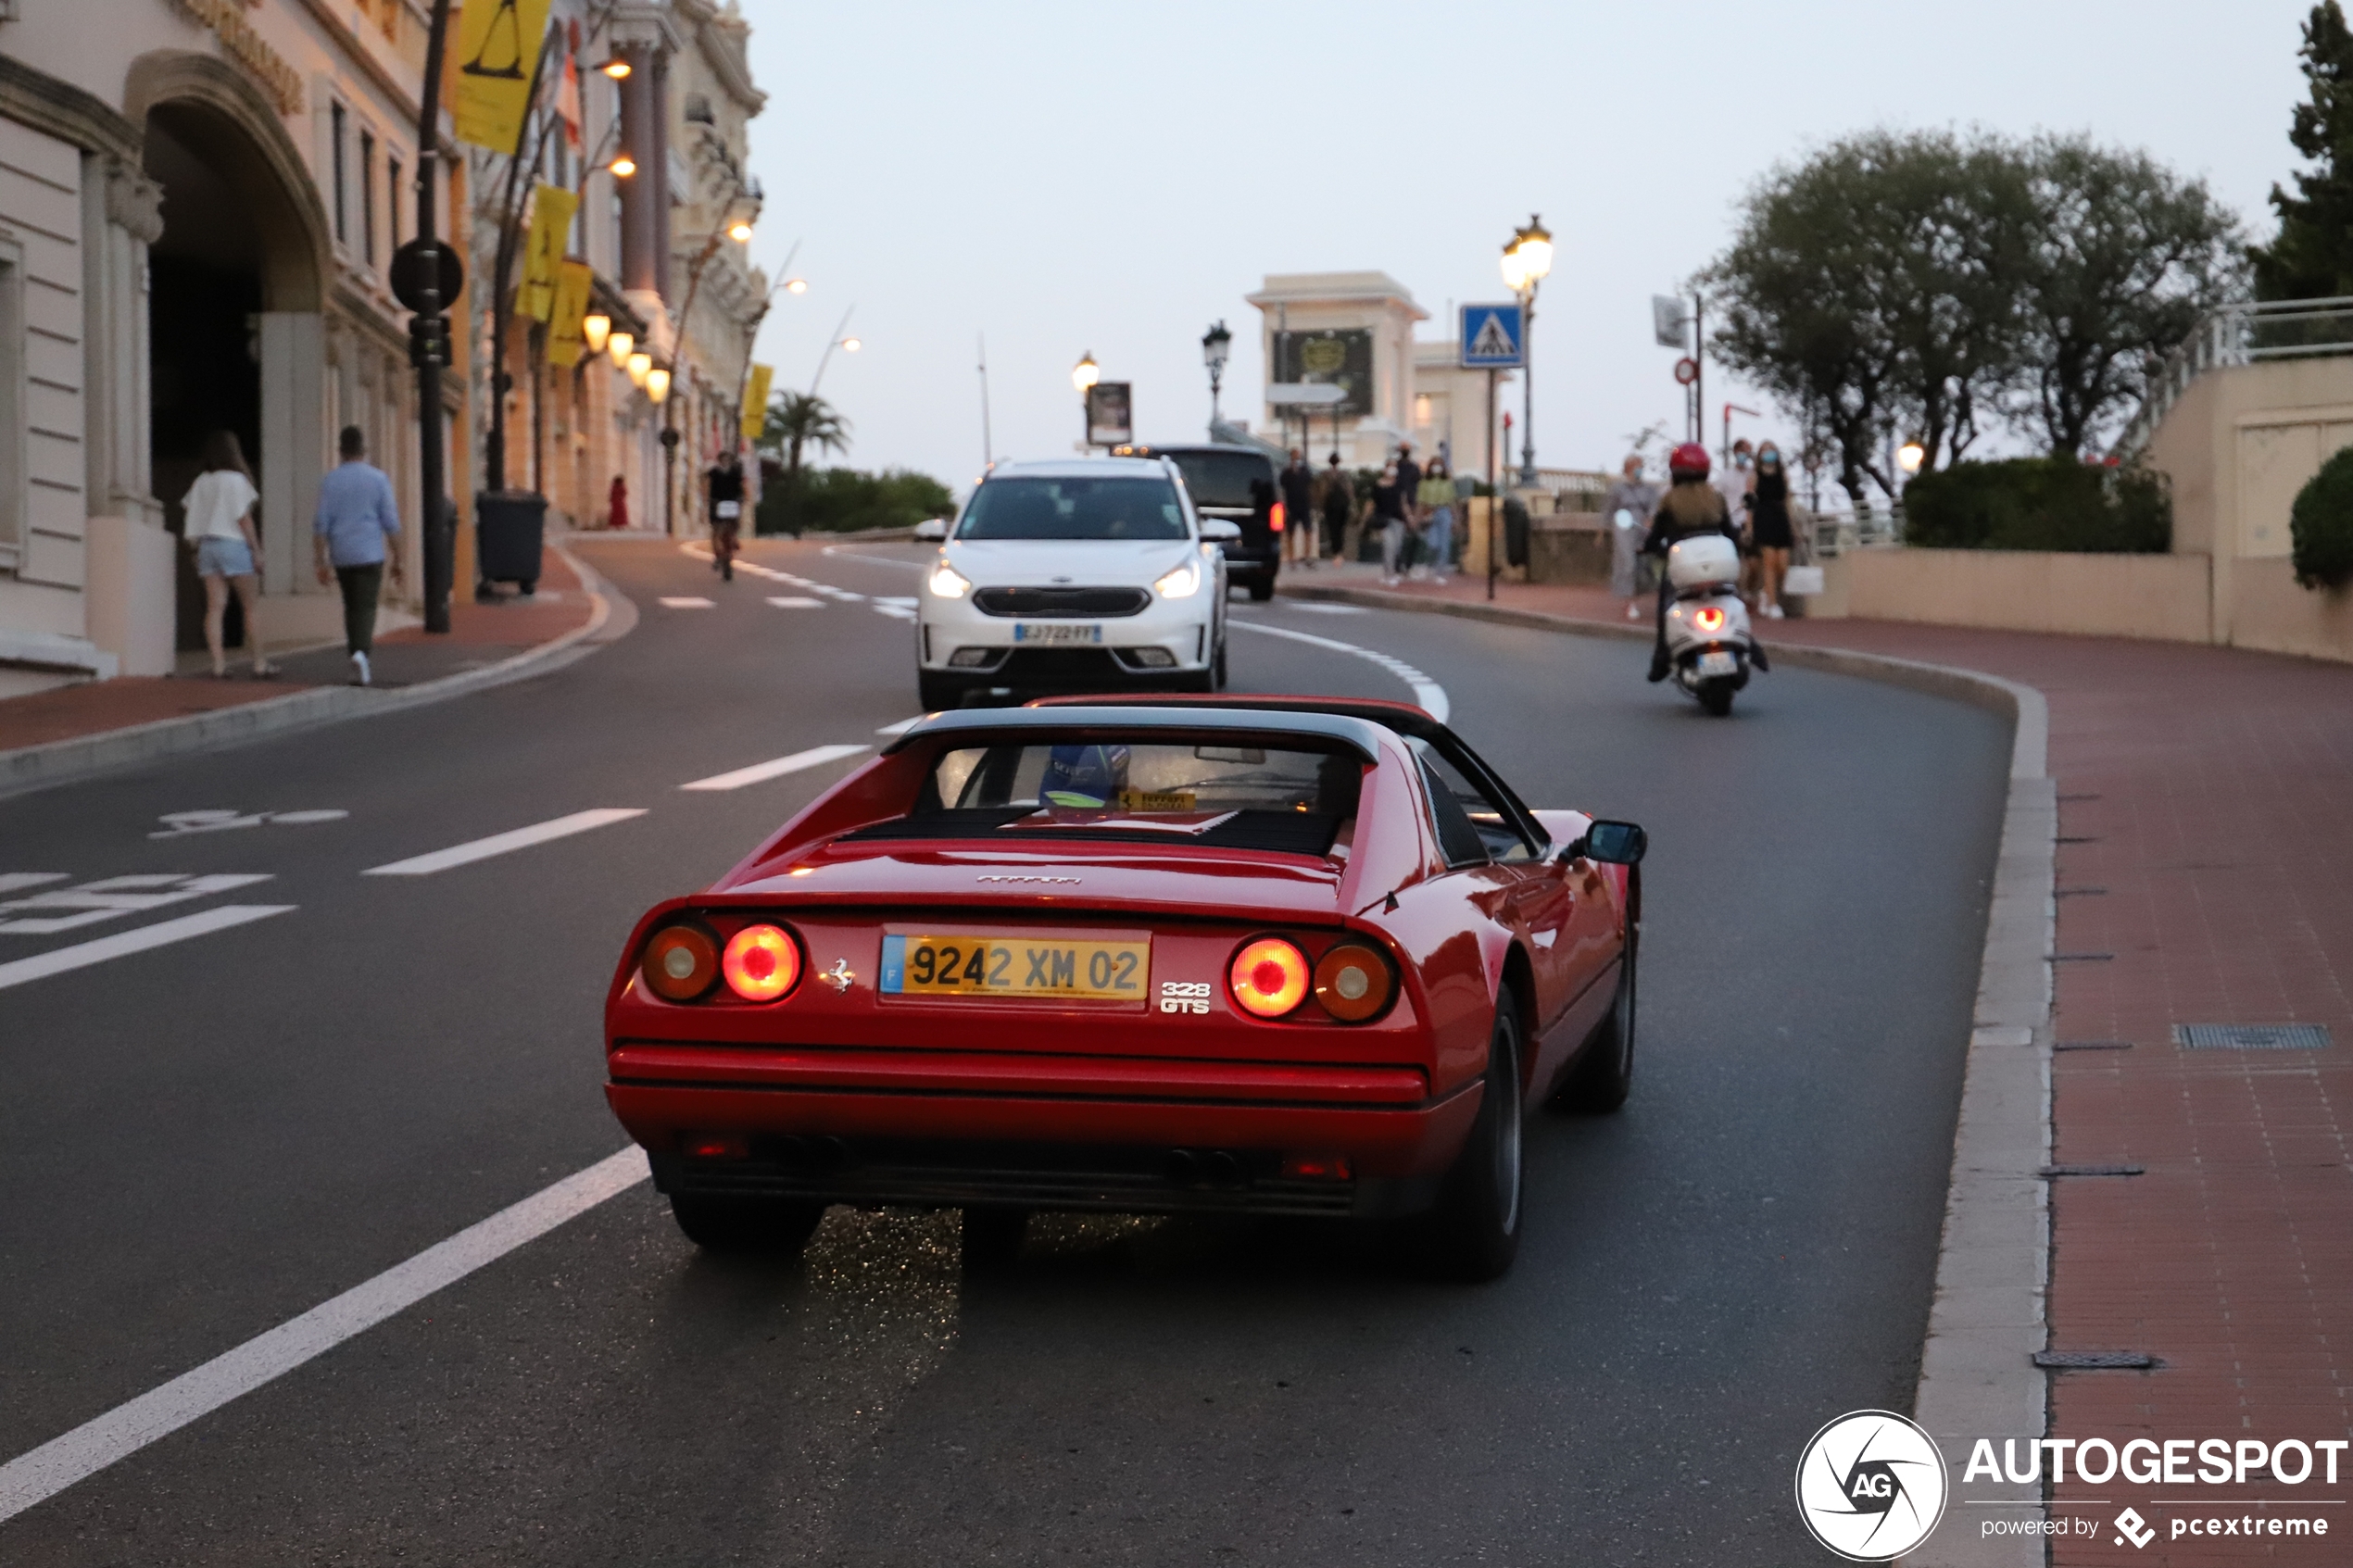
2094 1360
2252 1036
2049 1172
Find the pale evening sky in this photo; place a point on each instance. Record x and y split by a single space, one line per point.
1068 176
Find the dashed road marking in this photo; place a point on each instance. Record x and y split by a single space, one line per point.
759 772
684 602
1427 692
11 881
500 842
180 824
58 960
796 601
112 897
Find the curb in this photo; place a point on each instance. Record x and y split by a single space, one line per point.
1987 1318
64 761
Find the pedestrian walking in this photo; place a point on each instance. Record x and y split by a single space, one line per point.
1769 523
1735 481
1389 516
1299 508
1435 499
1625 511
1337 507
220 513
617 504
357 514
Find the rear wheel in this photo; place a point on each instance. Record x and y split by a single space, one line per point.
1217 671
1473 1233
1598 1084
1715 695
1262 589
778 1225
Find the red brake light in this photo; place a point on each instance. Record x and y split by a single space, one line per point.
1275 518
1708 618
679 962
1352 982
1268 977
761 964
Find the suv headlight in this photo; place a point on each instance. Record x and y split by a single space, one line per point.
946 582
1181 583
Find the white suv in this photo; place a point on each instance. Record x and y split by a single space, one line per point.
1081 575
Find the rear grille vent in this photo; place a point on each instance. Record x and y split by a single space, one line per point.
1046 602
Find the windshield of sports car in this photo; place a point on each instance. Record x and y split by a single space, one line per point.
1246 795
1132 507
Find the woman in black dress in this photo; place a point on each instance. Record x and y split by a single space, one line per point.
1769 520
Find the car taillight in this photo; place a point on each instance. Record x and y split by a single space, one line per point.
761 964
1275 518
1708 618
1352 983
679 962
1268 977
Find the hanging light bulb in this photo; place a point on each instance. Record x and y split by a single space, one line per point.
641 365
657 385
619 345
594 328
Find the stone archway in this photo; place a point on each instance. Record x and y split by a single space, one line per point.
237 291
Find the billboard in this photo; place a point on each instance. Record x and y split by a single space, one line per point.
1111 417
1342 358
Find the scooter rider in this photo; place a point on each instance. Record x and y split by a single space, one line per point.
1692 507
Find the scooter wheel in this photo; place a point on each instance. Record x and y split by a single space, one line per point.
1716 697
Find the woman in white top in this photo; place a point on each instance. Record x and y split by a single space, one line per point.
219 511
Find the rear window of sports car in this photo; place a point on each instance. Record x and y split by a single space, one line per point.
1242 795
1073 508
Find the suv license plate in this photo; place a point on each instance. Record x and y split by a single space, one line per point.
1057 632
1718 663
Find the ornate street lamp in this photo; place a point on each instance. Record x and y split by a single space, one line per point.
1526 261
621 345
1216 348
657 385
640 367
594 329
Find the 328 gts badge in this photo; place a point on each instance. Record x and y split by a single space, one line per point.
1184 996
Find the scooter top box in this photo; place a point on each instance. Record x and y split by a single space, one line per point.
1704 561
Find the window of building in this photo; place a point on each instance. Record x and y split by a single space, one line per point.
14 478
391 198
698 109
367 199
337 130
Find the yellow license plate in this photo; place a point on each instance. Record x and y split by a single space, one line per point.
1018 966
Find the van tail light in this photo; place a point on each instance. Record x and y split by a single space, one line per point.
1275 518
761 964
1708 618
681 963
1353 983
1268 977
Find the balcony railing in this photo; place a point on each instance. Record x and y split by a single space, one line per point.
2240 335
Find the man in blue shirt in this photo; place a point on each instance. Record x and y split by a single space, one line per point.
356 515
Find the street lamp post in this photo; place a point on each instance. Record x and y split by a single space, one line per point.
1527 260
740 231
1084 375
429 346
1216 348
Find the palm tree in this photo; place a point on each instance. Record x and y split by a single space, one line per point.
803 419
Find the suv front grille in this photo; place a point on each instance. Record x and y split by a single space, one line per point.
1066 602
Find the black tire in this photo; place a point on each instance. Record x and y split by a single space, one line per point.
527 587
1262 589
779 1227
1473 1233
1715 695
1217 670
936 692
1597 1085
993 1235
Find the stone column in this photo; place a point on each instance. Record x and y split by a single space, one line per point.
127 219
645 196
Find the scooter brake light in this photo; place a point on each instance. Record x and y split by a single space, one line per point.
1708 618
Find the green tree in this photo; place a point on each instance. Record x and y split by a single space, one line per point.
797 420
2121 259
2312 258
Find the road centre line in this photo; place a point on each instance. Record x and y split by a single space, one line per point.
500 842
1427 692
759 772
30 1478
796 601
58 960
684 602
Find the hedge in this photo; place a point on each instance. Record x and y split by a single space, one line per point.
2320 526
844 500
2039 504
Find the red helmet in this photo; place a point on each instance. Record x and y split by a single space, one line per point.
1691 458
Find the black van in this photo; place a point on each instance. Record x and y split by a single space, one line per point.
1237 483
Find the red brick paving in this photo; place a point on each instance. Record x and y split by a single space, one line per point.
2213 791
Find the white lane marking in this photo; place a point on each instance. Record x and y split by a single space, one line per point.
897 612
796 601
759 772
682 602
499 843
122 943
845 553
1313 608
1427 692
44 1472
11 881
88 903
904 725
182 824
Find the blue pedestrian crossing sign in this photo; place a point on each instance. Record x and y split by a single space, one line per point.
1492 337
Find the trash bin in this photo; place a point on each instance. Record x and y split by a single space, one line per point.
507 526
1516 524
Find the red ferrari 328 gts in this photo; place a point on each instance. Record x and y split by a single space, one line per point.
1262 955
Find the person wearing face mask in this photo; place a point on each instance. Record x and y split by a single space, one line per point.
1770 526
1733 482
1625 512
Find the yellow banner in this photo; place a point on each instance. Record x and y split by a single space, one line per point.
497 46
756 401
565 346
551 211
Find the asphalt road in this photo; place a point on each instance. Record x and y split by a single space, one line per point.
200 1141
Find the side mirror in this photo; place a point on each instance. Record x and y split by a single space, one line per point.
1218 530
931 531
1617 844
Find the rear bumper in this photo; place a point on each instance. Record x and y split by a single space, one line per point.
922 1128
1071 670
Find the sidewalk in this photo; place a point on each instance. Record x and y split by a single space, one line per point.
177 713
2205 876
